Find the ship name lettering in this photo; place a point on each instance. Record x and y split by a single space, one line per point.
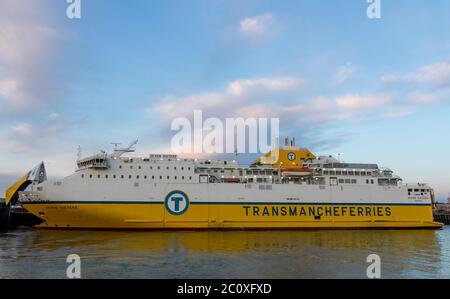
316 211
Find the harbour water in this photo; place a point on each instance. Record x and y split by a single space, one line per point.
226 254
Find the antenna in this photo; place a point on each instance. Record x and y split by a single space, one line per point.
116 144
79 153
119 152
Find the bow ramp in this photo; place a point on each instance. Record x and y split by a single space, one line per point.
36 175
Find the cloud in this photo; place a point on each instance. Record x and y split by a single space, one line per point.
225 103
283 98
27 48
437 75
344 73
257 27
357 102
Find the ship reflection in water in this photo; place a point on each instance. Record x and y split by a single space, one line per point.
233 254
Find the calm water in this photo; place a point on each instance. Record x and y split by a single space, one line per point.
286 254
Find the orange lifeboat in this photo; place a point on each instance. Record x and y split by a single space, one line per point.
231 180
302 171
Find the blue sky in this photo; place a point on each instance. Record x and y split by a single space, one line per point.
374 90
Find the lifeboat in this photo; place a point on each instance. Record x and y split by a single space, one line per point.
231 180
302 171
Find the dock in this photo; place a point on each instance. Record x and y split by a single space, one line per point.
13 217
441 213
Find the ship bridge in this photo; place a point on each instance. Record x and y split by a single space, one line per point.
99 161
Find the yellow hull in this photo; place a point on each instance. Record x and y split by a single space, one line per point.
231 216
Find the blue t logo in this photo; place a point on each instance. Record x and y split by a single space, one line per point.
177 200
176 203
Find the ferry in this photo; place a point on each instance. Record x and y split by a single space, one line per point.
287 188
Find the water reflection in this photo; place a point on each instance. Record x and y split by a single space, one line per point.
240 254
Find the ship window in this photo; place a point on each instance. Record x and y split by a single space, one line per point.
168 177
160 177
153 177
351 173
82 176
182 168
145 177
332 173
137 177
98 176
354 181
167 167
106 176
159 167
120 166
325 172
409 190
140 167
151 167
122 176
175 168
114 176
338 172
367 181
341 181
190 178
189 168
416 190
129 177
175 177
131 167
371 181
347 181
344 173
182 177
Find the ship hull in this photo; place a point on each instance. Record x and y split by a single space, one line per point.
224 215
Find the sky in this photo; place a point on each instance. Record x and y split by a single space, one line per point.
375 90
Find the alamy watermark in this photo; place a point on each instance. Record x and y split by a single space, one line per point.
217 136
374 269
73 10
73 271
374 9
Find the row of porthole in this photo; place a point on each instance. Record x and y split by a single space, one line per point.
130 177
159 167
